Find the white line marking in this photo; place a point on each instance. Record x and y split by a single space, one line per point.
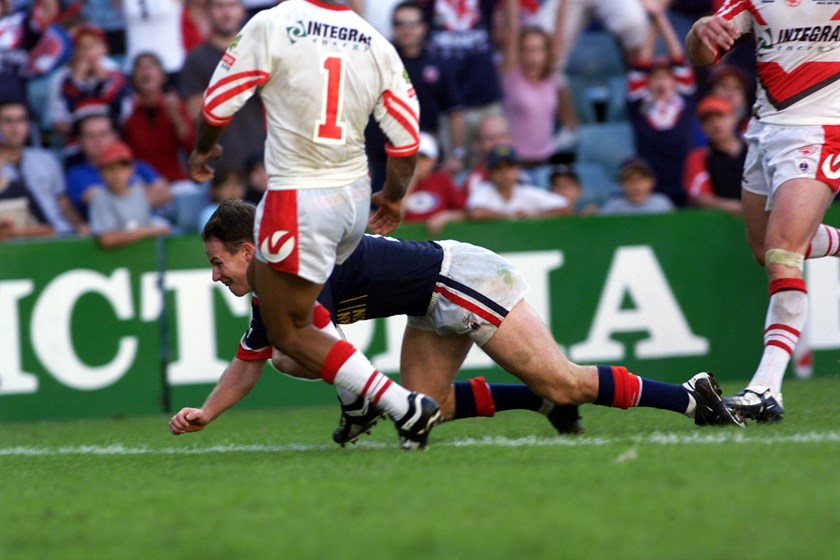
656 438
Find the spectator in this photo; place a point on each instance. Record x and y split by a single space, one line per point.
20 32
107 15
660 101
90 83
502 197
120 213
531 99
225 185
713 172
20 214
195 25
96 132
256 178
155 27
432 197
36 169
625 20
565 182
246 133
158 129
637 181
437 91
492 130
730 82
461 35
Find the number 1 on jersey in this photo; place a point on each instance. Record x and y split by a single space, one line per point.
330 129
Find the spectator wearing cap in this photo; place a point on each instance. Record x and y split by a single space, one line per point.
713 172
120 213
96 132
89 83
502 197
432 197
731 83
660 107
637 180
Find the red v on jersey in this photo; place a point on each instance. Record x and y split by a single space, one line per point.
786 88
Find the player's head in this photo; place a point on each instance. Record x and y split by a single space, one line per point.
229 244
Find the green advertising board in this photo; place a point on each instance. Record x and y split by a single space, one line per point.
86 332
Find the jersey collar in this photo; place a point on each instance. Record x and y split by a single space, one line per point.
329 6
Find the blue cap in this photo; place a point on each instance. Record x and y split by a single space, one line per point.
501 154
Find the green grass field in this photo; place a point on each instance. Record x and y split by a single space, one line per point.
270 484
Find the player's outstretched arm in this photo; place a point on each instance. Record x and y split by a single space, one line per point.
237 381
388 215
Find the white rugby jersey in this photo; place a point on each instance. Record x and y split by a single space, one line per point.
797 57
320 70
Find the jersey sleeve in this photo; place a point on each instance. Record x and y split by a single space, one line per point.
254 343
244 67
740 13
397 111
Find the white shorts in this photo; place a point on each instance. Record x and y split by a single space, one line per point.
475 291
306 232
777 153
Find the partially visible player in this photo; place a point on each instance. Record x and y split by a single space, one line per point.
320 71
455 294
792 168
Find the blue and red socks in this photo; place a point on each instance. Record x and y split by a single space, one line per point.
476 397
619 388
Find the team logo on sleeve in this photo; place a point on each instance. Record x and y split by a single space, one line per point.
235 42
278 246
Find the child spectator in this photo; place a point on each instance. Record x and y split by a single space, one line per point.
157 129
730 82
713 172
96 132
224 186
660 108
120 213
432 196
637 181
565 182
502 197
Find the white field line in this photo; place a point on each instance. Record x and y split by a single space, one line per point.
656 438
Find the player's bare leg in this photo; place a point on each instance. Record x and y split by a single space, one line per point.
289 301
798 209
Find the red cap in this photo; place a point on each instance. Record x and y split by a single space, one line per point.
713 104
87 29
116 153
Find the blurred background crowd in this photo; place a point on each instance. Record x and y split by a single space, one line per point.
528 108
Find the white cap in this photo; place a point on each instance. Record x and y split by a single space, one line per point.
428 146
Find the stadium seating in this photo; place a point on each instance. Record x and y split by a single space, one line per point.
595 56
597 184
607 144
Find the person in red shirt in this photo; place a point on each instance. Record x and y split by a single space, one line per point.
432 196
713 172
157 128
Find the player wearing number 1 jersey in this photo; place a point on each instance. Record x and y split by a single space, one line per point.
792 168
320 71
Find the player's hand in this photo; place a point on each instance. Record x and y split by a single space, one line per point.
388 215
188 420
199 164
716 34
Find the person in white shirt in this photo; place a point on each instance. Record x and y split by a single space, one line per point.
501 196
320 70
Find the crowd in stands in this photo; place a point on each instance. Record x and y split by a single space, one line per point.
528 108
